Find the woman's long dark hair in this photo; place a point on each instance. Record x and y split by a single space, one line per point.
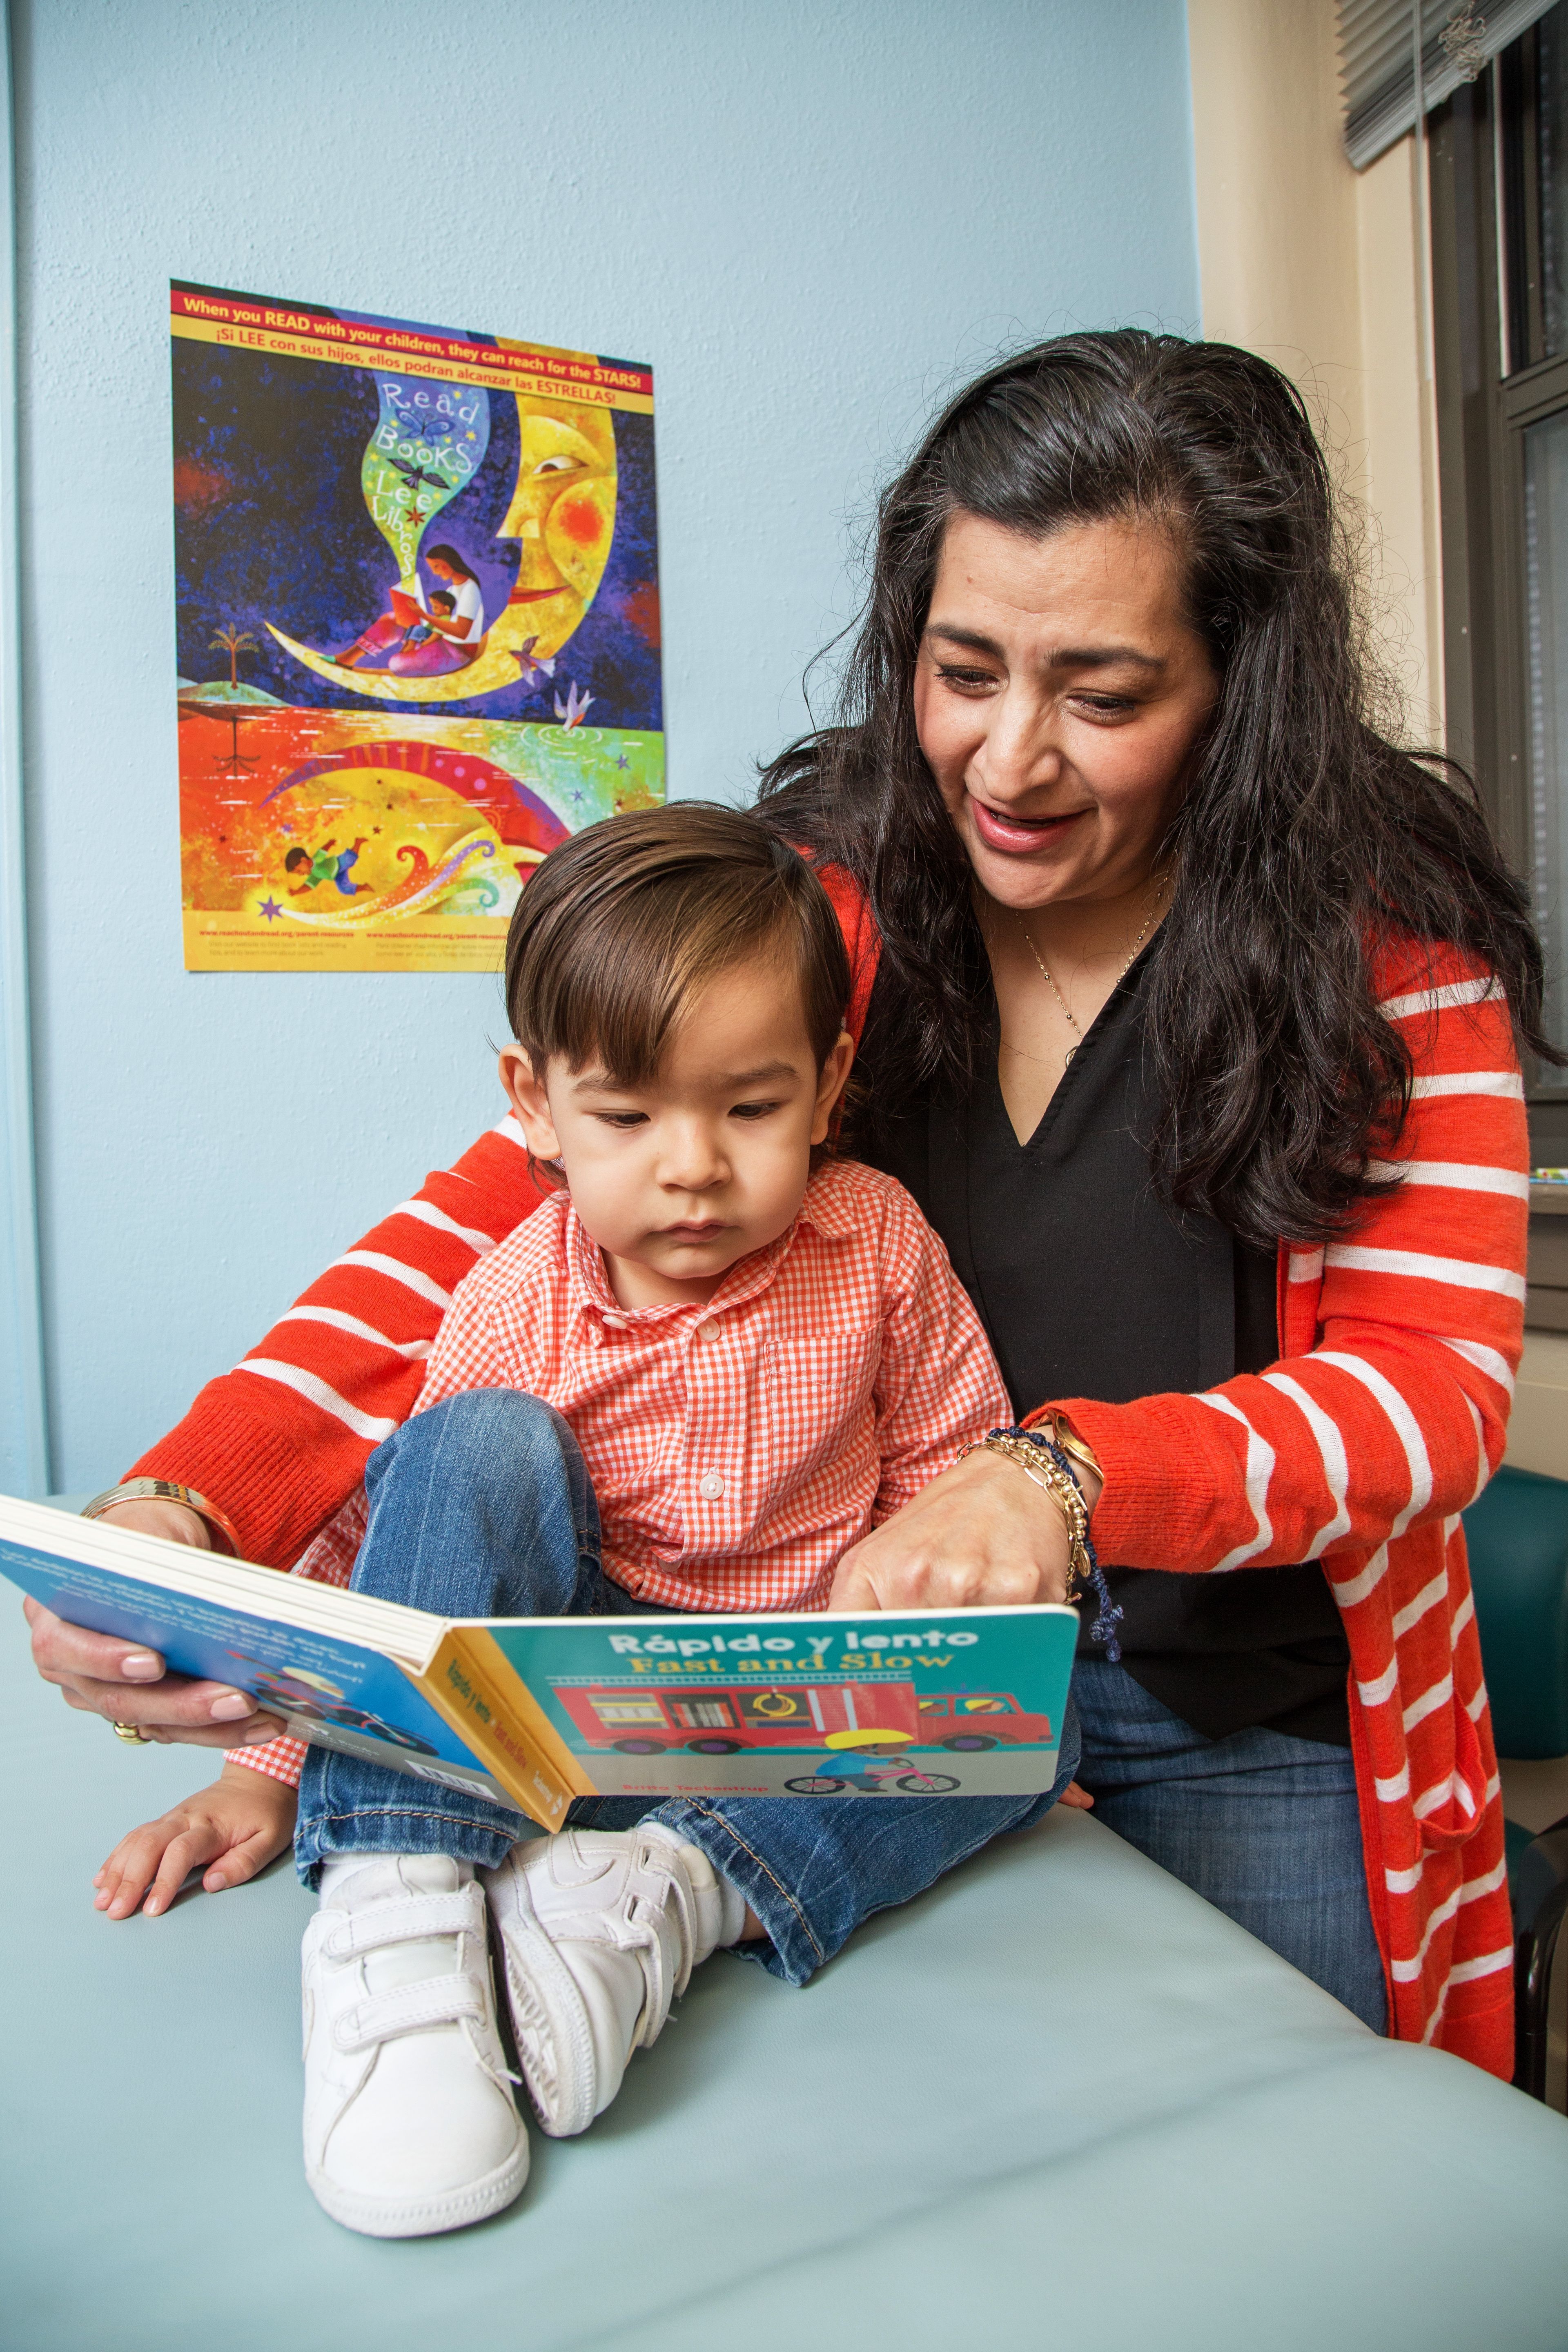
451 559
1306 835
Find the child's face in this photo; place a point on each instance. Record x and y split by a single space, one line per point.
679 1179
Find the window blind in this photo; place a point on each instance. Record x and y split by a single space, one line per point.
1377 75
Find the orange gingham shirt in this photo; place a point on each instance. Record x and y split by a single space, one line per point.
737 1449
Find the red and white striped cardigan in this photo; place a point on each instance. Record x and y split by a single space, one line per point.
1383 1418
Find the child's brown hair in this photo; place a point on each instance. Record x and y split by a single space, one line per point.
623 924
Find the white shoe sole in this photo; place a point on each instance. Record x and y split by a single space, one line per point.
549 2019
422 2217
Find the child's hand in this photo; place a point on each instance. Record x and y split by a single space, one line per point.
1076 1797
236 1828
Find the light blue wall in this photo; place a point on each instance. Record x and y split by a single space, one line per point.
808 217
24 1464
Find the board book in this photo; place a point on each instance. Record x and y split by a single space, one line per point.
534 1711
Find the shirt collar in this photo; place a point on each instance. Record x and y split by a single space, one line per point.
589 1291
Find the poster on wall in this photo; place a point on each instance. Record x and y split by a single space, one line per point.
418 614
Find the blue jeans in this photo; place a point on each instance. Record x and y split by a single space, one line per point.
1265 1826
483 1508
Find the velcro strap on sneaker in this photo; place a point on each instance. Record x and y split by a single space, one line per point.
661 1884
407 1920
409 2009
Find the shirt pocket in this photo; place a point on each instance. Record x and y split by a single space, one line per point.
816 1404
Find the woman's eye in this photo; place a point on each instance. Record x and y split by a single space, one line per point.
967 681
1105 705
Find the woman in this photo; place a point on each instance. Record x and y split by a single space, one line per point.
1190 1011
432 635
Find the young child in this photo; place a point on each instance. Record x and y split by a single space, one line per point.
328 864
442 600
706 1367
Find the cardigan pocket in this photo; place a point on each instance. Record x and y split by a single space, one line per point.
1449 1807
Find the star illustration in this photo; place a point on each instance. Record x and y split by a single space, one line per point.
623 761
270 908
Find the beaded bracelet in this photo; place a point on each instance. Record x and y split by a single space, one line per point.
1084 1559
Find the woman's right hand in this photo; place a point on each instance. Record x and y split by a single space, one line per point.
99 1673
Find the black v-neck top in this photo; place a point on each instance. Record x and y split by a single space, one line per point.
1087 1284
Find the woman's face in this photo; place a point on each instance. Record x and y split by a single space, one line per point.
1060 696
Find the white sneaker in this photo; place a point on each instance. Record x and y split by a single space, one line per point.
410 2124
599 1931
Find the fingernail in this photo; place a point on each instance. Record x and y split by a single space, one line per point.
258 1736
230 1708
140 1666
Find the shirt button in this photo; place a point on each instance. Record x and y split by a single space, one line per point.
711 1485
616 1322
707 1330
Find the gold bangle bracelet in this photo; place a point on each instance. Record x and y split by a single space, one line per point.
164 1490
1056 1428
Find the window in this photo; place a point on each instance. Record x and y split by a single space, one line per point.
628 1710
1532 108
703 1714
1499 257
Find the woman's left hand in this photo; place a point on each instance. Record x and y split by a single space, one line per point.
981 1535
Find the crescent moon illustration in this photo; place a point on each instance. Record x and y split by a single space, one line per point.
563 513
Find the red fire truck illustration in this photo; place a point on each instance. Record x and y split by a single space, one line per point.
720 1719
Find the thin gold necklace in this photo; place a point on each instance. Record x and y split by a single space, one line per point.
1072 1017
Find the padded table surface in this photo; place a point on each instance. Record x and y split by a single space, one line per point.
1057 2102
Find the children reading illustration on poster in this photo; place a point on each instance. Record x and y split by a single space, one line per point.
425 635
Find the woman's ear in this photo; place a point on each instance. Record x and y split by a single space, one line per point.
831 1084
526 1094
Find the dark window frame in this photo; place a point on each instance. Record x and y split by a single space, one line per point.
1482 415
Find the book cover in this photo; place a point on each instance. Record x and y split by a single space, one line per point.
536 1711
931 1703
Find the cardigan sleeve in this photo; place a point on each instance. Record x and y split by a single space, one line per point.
280 1441
1400 1339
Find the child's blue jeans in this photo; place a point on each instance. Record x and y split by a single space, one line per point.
483 1508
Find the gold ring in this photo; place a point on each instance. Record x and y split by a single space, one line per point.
131 1733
